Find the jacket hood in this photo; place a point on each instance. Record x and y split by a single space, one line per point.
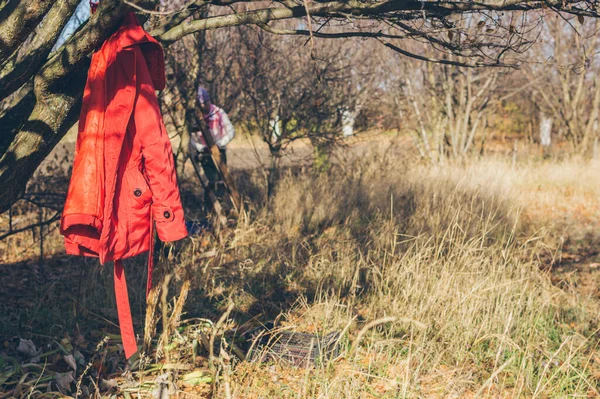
132 34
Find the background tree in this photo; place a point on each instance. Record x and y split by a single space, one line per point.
291 93
207 58
567 84
451 106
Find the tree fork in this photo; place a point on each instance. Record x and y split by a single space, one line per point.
17 20
23 63
58 88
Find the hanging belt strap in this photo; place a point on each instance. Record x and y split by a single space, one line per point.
122 296
124 310
150 255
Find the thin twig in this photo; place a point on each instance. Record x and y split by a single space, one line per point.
310 29
447 62
53 219
145 11
211 344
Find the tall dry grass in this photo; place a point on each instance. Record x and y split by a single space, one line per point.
449 255
452 263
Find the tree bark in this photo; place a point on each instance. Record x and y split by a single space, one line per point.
17 20
54 103
22 65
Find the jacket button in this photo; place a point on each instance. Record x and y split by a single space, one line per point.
137 192
167 214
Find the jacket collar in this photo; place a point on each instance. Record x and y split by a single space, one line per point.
131 34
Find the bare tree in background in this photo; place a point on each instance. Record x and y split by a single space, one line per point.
289 96
450 106
177 101
566 82
209 59
545 133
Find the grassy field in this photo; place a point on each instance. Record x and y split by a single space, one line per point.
463 280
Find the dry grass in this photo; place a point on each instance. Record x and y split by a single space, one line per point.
455 259
444 251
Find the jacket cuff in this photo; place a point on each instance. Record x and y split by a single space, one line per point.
73 220
170 224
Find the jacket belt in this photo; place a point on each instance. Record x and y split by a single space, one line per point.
122 298
124 310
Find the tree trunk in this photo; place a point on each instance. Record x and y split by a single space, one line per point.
51 105
273 175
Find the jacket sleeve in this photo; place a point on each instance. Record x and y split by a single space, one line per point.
197 142
159 165
228 131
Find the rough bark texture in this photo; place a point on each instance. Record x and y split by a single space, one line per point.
51 105
22 64
17 20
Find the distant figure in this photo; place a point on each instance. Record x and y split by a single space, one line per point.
348 119
545 134
220 129
545 130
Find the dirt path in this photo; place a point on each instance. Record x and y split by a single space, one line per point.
245 153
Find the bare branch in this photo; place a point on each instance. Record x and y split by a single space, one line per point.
265 15
182 14
310 29
17 20
53 219
18 69
388 9
327 35
447 62
151 12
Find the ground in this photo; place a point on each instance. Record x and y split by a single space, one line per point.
467 279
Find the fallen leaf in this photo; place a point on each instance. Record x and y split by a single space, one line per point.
79 359
164 387
5 377
64 381
70 360
27 347
106 385
66 344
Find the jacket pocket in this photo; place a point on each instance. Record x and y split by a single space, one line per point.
139 201
139 192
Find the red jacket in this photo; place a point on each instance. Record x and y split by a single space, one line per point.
123 175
